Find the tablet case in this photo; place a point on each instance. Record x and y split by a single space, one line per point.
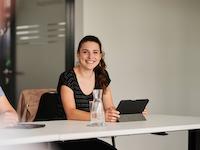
131 110
27 126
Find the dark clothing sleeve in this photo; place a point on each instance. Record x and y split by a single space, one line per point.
66 78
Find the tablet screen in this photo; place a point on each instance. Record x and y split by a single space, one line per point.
132 106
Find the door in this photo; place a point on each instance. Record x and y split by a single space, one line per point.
7 49
34 48
40 47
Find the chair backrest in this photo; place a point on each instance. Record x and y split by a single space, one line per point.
29 101
50 108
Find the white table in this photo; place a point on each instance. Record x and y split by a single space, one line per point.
70 130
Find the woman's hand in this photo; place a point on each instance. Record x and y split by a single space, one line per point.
112 115
145 112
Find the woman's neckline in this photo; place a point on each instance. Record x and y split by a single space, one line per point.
76 78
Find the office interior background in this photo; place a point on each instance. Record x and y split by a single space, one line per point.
152 50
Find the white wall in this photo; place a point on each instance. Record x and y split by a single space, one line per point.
152 47
152 51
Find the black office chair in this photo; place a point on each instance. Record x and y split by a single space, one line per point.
50 108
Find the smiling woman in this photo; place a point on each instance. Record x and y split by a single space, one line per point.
76 85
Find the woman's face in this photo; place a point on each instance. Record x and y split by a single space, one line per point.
89 55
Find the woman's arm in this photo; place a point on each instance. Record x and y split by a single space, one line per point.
8 116
67 97
111 114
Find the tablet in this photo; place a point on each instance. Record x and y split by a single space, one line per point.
27 126
131 110
132 106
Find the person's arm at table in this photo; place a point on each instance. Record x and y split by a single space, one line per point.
111 114
8 115
69 105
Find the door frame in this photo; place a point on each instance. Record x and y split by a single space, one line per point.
69 33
